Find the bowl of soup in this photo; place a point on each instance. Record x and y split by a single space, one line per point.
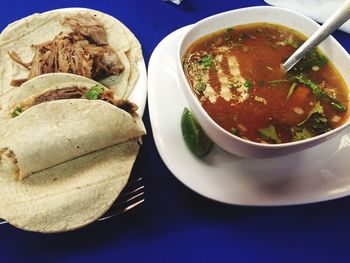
230 72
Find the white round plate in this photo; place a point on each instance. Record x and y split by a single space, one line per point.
139 93
318 174
137 96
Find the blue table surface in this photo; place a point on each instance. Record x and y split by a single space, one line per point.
176 224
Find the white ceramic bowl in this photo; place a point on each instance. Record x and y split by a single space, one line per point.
233 144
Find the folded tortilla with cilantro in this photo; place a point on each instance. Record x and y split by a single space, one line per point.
79 41
68 90
52 132
37 85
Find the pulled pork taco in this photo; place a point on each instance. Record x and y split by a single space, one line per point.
70 90
53 132
67 147
37 85
83 42
64 122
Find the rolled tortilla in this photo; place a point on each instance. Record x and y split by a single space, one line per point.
57 131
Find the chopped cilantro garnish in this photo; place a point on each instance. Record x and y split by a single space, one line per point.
234 131
234 85
317 90
228 35
242 37
277 81
336 105
282 43
314 58
315 123
206 61
270 133
301 133
288 42
17 111
316 109
200 86
248 83
295 44
94 93
291 89
303 79
272 44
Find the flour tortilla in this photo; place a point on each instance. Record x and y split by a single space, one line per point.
70 195
39 28
53 132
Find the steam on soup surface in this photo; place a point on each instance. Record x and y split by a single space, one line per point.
236 74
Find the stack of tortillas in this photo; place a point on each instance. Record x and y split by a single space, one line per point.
64 160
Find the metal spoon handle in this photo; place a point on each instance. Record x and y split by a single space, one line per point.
341 15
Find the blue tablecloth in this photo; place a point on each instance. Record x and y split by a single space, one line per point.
176 224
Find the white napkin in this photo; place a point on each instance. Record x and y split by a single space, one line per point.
175 1
318 10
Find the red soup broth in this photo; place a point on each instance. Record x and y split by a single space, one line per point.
236 75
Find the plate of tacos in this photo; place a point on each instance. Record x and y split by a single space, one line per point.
72 93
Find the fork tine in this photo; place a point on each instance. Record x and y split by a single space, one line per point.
119 202
132 183
125 209
133 191
121 210
135 180
130 197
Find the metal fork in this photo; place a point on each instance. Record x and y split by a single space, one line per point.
131 196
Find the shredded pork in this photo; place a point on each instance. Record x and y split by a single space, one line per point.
77 93
84 52
60 94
